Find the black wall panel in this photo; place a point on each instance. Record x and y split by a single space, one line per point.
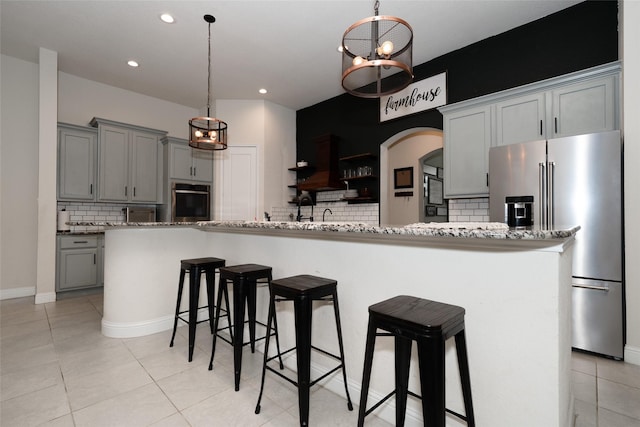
579 37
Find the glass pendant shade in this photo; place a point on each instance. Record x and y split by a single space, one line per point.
377 56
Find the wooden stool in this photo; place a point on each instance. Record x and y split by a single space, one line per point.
430 324
303 290
196 267
244 278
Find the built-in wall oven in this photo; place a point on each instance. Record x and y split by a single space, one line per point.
190 202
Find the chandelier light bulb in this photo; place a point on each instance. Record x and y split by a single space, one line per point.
198 134
358 60
213 134
385 49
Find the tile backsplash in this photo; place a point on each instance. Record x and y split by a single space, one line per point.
92 212
469 210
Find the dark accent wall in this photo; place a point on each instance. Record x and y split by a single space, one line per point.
579 37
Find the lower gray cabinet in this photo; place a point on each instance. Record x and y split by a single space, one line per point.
79 261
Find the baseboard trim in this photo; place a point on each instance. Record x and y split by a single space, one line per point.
147 327
45 297
632 354
12 293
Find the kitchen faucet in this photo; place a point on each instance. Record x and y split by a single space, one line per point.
325 211
300 199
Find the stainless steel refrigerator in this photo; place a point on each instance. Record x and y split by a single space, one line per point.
574 181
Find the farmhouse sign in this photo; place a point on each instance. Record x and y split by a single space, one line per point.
419 96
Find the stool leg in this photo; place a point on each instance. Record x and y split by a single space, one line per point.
225 291
366 374
175 320
239 299
339 328
432 385
251 311
463 364
275 327
403 362
303 317
194 296
266 350
222 289
210 276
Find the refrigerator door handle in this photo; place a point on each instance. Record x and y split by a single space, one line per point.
542 185
550 184
604 288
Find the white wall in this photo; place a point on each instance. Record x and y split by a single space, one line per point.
407 152
80 100
631 112
271 128
18 177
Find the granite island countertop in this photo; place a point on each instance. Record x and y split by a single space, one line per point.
475 230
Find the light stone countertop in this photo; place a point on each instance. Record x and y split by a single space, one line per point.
476 230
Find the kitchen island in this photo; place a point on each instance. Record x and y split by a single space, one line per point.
514 285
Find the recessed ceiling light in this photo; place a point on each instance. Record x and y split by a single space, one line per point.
132 63
262 91
167 18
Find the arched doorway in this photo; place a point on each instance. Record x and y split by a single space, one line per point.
406 149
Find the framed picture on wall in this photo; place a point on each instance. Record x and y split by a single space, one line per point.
403 178
435 192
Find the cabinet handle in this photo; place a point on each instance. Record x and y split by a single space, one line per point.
125 190
90 188
134 191
190 170
540 127
80 241
556 124
94 258
487 179
194 171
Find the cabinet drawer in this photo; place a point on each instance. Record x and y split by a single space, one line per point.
79 241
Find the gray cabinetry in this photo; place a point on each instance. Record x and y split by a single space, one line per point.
520 119
574 104
186 164
128 162
79 261
585 107
77 157
466 151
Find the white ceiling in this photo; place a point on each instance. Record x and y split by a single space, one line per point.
288 47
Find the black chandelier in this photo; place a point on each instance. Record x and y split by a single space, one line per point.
208 133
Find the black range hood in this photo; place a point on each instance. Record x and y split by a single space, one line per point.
327 175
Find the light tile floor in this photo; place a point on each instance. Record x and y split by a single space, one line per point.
56 369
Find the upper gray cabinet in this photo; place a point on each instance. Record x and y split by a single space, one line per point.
128 162
184 163
574 104
77 152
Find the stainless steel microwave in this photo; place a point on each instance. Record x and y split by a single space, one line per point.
140 214
190 202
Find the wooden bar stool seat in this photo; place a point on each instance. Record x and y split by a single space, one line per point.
196 267
430 324
244 278
303 290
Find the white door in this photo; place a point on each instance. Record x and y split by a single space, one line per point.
235 193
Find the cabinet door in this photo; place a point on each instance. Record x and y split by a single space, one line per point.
180 162
520 119
76 164
467 141
114 164
202 165
144 168
585 107
77 268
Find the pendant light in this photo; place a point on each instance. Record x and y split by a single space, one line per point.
208 133
377 56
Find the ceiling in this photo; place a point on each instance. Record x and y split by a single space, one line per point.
287 47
